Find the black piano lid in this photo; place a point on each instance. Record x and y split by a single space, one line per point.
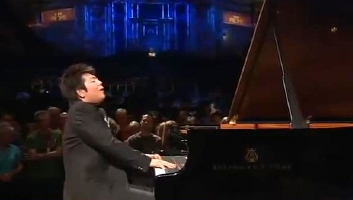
315 38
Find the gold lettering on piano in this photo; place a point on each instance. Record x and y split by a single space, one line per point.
251 155
243 167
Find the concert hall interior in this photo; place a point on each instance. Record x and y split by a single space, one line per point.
251 99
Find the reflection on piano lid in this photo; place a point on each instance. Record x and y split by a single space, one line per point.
298 65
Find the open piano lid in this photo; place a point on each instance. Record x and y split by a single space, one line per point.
315 39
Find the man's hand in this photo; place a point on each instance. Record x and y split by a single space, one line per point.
158 163
154 156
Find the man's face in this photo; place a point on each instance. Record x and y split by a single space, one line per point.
6 135
94 92
54 112
7 118
183 116
54 115
134 128
44 121
121 118
147 122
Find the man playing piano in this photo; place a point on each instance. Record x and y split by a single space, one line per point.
93 158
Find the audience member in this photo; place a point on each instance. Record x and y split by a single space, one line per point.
44 150
121 118
10 162
145 141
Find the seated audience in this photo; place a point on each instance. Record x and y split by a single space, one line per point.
134 127
122 120
10 162
145 141
171 142
44 158
7 117
54 116
44 143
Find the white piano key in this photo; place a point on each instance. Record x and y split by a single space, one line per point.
158 171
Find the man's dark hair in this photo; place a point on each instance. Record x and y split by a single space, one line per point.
71 80
148 114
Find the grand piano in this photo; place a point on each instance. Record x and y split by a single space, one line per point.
290 128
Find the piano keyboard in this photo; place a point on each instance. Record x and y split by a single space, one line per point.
178 160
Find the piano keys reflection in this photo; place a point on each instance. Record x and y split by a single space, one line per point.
173 139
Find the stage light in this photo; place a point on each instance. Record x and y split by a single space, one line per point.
151 53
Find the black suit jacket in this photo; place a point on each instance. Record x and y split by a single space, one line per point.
94 159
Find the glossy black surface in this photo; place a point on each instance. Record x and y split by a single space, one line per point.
287 164
315 38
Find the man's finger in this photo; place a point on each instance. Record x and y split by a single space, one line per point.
162 166
169 165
